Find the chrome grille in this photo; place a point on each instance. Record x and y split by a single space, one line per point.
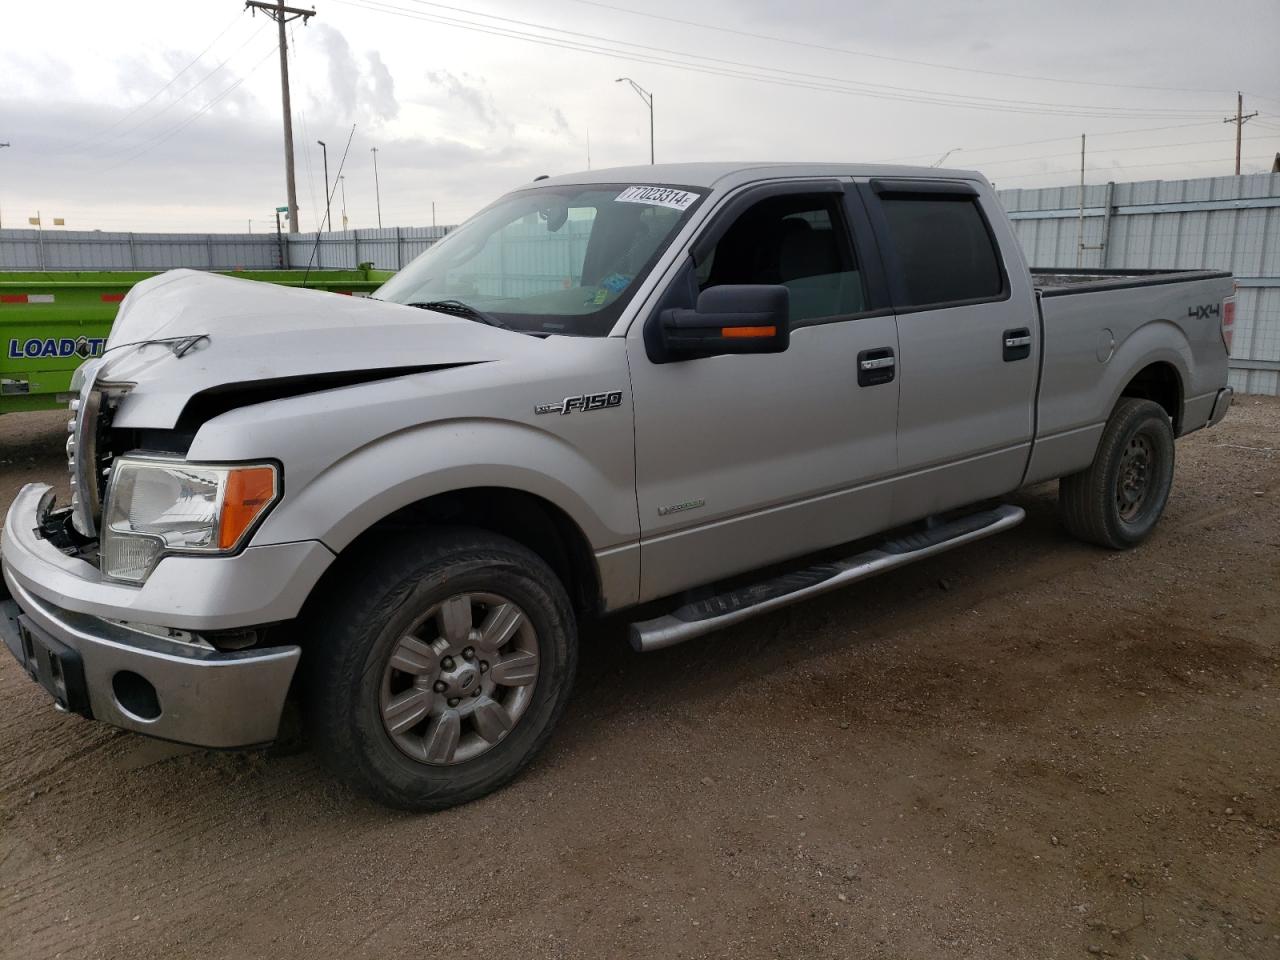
82 461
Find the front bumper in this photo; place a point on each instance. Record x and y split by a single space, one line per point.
163 688
72 631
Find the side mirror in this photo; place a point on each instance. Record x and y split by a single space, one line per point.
733 318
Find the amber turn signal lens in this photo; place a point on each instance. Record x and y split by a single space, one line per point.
250 490
748 332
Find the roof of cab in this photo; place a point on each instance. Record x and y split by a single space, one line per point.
724 175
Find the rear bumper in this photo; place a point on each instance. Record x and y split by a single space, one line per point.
170 689
1221 404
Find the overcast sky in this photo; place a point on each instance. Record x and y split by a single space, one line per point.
464 106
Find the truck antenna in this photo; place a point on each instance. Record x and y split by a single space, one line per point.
327 201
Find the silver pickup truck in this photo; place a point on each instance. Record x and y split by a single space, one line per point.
616 388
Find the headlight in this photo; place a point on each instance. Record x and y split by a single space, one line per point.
155 507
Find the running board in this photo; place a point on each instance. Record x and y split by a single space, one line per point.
723 610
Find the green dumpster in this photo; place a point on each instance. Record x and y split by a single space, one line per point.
51 322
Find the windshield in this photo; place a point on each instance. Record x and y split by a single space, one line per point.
552 260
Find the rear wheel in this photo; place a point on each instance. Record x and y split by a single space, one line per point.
437 676
1117 501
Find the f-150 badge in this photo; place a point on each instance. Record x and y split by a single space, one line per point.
582 403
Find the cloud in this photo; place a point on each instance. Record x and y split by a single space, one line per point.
357 90
342 71
380 89
471 93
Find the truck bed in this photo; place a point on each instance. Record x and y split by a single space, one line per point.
1061 281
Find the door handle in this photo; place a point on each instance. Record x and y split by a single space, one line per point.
876 366
1017 344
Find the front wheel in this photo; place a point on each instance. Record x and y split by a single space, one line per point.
437 675
1116 502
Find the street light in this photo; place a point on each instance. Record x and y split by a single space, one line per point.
943 159
328 216
3 145
647 97
342 185
377 191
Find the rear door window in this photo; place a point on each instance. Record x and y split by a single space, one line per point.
944 249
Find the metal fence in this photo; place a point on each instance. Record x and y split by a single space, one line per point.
1220 223
1227 223
388 248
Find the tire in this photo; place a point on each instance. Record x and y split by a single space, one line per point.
377 656
1116 502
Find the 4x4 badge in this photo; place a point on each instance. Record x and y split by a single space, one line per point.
582 403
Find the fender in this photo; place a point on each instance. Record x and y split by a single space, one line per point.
375 480
1076 398
1158 341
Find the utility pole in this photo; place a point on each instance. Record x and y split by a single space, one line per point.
342 185
281 15
328 218
647 97
1239 120
377 191
1080 222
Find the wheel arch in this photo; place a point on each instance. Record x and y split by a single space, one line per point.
526 518
1154 363
1160 382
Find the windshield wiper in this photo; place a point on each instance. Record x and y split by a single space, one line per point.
459 309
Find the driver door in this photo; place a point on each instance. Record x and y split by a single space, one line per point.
745 460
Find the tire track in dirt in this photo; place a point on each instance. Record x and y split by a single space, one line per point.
1051 691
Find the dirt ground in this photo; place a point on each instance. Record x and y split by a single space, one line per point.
1027 748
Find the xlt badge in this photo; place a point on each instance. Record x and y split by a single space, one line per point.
582 403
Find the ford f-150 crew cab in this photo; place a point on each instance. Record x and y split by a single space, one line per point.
623 387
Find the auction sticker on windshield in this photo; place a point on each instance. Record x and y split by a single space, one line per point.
658 197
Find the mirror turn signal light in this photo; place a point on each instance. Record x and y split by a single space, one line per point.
748 333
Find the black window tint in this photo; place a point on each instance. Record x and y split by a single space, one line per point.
944 248
797 241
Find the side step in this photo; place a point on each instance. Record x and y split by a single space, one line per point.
723 610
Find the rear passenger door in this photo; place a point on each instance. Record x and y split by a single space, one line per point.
968 343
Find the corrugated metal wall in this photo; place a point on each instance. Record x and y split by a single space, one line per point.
1227 223
387 249
1220 223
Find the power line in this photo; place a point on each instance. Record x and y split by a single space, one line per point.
174 79
794 73
1151 146
164 138
1130 166
306 137
1030 143
880 56
747 71
178 99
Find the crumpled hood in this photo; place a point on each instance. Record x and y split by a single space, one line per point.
252 331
